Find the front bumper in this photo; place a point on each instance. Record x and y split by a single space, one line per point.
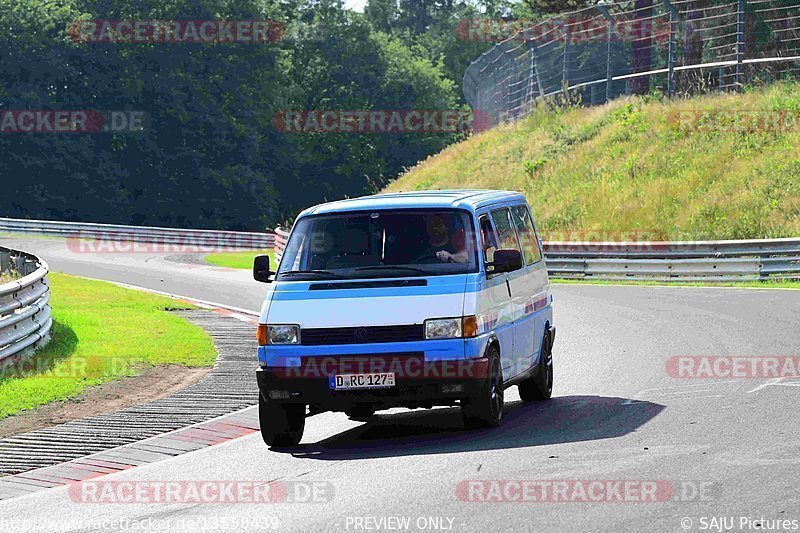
420 384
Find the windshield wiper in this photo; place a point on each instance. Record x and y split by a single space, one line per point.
392 267
311 272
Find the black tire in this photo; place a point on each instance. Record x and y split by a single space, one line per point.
485 408
281 425
360 412
540 387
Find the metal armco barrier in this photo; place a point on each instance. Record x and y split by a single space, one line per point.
659 261
281 236
25 314
143 234
688 261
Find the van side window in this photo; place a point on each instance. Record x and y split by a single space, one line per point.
527 234
488 239
505 230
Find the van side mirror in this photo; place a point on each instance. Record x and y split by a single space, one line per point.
506 261
261 271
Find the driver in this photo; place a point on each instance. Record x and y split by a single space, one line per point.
447 249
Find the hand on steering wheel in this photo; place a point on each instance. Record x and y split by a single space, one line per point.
445 257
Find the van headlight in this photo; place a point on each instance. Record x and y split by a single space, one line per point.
451 328
283 334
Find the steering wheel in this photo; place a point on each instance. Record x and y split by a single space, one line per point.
426 258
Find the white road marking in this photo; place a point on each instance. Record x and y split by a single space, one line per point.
688 386
196 301
765 385
685 392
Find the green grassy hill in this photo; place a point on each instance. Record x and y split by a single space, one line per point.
628 168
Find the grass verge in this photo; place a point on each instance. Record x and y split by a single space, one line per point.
626 171
241 260
101 332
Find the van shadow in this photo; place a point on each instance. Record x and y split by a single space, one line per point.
560 420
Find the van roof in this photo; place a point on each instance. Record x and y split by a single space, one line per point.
470 200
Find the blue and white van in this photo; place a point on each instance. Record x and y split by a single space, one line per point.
405 300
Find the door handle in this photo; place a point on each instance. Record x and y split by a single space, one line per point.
508 286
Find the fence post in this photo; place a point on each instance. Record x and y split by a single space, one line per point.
740 45
609 38
537 71
565 73
673 46
532 75
510 71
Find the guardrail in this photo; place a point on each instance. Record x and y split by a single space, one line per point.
663 261
144 234
688 261
281 236
25 314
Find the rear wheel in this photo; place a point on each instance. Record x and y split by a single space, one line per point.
281 424
540 386
485 408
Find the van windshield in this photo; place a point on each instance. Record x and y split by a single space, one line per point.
382 244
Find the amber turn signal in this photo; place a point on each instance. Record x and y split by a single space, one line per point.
261 335
469 327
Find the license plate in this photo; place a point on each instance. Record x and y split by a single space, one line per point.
379 380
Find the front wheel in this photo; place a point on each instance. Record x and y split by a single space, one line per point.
485 408
281 424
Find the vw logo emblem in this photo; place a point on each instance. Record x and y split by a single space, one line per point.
360 334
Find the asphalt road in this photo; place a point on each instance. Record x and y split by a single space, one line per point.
730 448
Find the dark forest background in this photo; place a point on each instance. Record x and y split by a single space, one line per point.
210 156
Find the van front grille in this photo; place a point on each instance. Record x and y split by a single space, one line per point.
361 335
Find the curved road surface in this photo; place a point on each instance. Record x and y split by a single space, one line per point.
723 449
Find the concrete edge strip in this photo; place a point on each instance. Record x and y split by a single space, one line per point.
153 449
198 436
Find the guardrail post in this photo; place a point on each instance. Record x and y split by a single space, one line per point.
740 45
673 47
609 39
